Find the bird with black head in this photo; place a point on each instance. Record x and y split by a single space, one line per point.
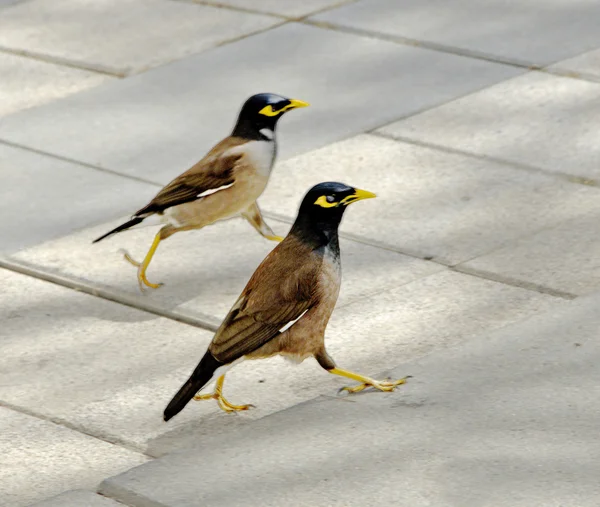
226 183
286 305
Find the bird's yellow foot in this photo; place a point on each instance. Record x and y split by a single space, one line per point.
129 258
141 272
279 239
222 402
381 385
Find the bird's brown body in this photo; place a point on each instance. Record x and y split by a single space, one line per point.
286 305
312 287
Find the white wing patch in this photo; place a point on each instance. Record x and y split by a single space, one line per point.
211 191
292 322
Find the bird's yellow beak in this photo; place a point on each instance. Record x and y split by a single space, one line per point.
295 103
357 196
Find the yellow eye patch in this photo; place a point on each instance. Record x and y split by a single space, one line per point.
322 201
268 110
294 103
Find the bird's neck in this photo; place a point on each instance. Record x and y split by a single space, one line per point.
316 233
247 129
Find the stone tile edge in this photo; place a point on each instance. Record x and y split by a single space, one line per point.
138 302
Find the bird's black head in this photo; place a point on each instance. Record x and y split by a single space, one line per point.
261 112
322 209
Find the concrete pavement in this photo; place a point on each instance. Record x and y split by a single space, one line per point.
475 269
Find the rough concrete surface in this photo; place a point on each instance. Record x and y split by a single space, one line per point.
27 82
527 31
353 84
40 459
539 120
508 419
78 498
143 33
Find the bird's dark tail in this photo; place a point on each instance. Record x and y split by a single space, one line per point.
201 376
122 227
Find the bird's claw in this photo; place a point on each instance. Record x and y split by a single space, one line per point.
141 272
129 258
224 405
279 239
384 386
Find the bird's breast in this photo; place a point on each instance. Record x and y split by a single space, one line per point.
258 154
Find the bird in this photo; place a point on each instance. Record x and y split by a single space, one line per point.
286 305
226 183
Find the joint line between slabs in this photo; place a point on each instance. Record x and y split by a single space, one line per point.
512 282
442 48
571 178
65 424
80 163
237 8
65 62
457 268
136 302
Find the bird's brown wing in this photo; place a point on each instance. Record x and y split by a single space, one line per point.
214 171
281 289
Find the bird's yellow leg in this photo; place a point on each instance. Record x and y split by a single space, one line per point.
366 381
130 259
143 266
217 394
254 216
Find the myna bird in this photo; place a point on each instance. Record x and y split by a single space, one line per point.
285 307
226 183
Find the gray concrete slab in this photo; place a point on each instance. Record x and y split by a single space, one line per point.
508 419
155 125
78 498
432 203
566 257
27 82
586 65
538 119
205 271
287 8
143 33
110 370
46 197
40 459
530 31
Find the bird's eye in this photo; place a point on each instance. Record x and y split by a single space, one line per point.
330 198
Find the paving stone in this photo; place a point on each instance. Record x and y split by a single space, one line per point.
104 368
508 419
6 3
288 8
538 119
205 271
110 370
78 498
431 203
46 197
530 31
143 33
565 258
27 82
585 65
40 458
353 83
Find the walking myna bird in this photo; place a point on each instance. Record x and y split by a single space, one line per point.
285 307
224 184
